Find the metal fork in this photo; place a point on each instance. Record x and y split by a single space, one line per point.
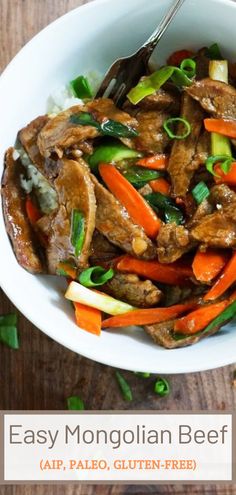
126 72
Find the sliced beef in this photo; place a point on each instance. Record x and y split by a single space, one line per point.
182 165
101 250
152 137
216 97
75 192
25 245
173 241
219 228
202 64
28 137
163 100
113 221
129 288
203 150
162 334
60 133
205 208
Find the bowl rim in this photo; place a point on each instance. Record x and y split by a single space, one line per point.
218 361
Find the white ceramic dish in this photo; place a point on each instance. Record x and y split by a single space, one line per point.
91 37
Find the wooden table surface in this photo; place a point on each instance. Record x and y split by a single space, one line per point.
42 373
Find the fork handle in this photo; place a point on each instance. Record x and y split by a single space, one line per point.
148 47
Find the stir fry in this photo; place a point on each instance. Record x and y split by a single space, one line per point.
135 206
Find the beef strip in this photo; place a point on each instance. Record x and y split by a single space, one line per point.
163 100
205 208
152 137
101 250
202 64
161 333
203 150
75 192
28 138
216 97
219 228
113 221
60 133
129 288
182 165
173 241
25 245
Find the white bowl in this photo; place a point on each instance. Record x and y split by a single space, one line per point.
91 37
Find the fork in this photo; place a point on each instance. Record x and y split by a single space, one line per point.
125 72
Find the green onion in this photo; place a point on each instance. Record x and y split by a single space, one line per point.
95 276
8 331
225 163
200 192
228 314
166 206
106 128
110 152
124 386
78 231
155 81
213 52
75 403
142 375
170 122
162 387
188 66
220 145
139 176
81 88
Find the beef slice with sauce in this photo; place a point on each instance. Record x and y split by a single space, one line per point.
152 137
75 192
216 97
113 221
60 133
129 288
101 250
218 229
162 334
173 241
182 165
166 99
25 244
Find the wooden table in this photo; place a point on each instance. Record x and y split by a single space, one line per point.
42 373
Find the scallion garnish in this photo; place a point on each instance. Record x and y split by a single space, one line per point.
81 88
200 192
106 128
95 276
149 85
224 161
75 403
139 176
8 331
166 208
77 231
124 387
168 126
188 66
142 375
213 52
162 387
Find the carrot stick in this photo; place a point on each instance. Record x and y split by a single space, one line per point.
172 274
32 211
148 316
221 126
207 265
229 178
177 57
225 280
89 319
199 319
155 162
137 207
160 185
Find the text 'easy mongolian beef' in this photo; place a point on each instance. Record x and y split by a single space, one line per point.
135 206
